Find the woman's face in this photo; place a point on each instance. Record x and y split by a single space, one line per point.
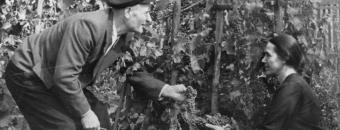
272 62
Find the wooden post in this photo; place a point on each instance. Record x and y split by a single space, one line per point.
175 28
176 20
174 74
278 11
40 7
318 13
330 32
38 26
217 62
65 4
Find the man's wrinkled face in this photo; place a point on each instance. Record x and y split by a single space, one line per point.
136 17
272 62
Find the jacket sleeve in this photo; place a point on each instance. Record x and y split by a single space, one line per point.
147 84
282 107
75 47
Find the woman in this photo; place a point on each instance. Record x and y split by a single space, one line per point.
294 105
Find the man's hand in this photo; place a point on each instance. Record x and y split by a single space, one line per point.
90 121
175 92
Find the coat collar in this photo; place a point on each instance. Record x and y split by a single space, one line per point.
109 30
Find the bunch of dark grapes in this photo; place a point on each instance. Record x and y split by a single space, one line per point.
218 119
158 13
189 105
189 112
191 95
199 123
236 25
186 61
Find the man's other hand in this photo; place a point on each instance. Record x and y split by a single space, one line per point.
175 92
90 121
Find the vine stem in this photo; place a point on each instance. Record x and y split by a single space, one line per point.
192 5
120 106
217 62
174 73
185 9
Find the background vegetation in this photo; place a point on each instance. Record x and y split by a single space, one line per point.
213 46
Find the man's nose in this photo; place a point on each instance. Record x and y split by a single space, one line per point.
148 18
263 60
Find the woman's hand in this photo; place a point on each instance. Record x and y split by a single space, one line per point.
215 127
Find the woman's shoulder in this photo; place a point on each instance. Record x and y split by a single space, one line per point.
295 81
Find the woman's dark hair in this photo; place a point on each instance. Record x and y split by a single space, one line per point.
289 50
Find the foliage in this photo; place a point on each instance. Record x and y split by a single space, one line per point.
243 90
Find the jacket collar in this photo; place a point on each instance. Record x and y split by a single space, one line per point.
109 30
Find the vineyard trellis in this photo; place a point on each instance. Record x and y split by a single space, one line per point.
213 46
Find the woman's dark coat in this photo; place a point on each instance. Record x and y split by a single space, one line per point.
294 107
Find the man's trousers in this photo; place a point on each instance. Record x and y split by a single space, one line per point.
41 107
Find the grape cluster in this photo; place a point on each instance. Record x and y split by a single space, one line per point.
199 123
218 119
191 95
186 60
190 117
236 25
159 13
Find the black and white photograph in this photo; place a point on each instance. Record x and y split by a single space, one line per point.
169 64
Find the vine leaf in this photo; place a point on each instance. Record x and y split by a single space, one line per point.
143 51
154 34
179 47
235 82
251 6
230 67
229 47
6 26
302 39
162 4
209 4
234 94
226 18
194 64
292 11
315 1
22 14
157 53
296 23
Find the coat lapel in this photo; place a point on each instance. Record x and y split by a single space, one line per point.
108 59
109 33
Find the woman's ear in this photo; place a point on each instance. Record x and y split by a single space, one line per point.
284 60
127 12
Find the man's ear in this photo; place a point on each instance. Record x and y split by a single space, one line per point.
127 12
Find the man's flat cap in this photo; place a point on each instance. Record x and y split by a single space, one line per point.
119 4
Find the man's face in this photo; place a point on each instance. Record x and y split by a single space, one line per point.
136 16
272 62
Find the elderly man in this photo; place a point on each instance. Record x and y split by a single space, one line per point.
48 71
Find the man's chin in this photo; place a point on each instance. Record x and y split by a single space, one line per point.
138 31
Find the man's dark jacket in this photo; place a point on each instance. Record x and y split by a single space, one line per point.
70 54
